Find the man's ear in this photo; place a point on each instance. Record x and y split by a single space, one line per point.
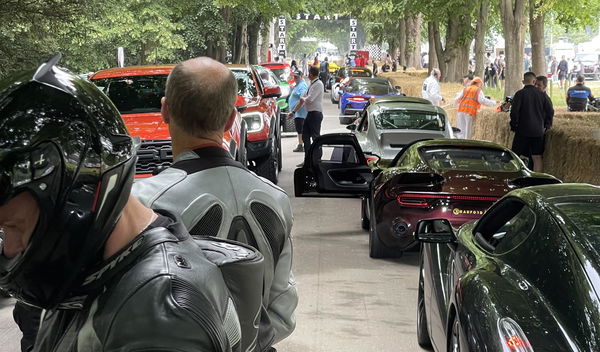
231 119
164 110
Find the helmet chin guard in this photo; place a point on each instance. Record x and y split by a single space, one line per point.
63 141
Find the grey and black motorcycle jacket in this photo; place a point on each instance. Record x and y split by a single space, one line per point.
166 291
214 195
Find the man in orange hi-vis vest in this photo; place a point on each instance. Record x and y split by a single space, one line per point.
468 102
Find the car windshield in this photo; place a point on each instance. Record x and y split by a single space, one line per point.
370 88
282 73
134 94
586 217
359 73
246 87
409 120
468 158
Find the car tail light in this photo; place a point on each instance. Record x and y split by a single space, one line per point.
358 99
512 336
423 200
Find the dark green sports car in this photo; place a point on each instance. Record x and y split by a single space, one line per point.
524 277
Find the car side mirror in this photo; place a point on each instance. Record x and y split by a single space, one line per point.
351 127
272 92
435 231
456 130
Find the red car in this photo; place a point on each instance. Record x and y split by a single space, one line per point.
282 70
136 91
261 115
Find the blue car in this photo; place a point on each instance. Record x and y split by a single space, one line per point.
356 95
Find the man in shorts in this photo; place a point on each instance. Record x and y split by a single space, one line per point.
530 116
298 92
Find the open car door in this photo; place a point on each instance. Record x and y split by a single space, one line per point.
335 166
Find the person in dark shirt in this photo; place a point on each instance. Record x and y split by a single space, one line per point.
563 69
530 116
324 74
578 95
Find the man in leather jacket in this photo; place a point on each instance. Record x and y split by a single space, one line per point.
111 274
217 196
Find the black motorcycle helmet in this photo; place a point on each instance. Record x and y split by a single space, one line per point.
63 141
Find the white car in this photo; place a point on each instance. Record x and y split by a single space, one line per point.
390 123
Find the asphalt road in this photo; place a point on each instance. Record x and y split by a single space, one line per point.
348 301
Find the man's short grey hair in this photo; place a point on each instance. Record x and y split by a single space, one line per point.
199 104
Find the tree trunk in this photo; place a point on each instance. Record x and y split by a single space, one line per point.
264 45
513 24
439 49
253 29
244 44
237 45
412 48
536 31
401 42
480 30
433 60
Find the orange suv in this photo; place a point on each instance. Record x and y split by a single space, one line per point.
136 92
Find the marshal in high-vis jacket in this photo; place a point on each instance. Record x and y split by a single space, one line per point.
214 195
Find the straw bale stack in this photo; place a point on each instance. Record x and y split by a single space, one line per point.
572 151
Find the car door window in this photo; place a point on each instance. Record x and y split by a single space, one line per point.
338 154
363 126
506 226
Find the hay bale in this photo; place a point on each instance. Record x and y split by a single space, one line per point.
572 153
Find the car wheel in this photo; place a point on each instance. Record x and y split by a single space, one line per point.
454 339
269 168
333 101
345 120
242 153
364 219
288 125
376 248
422 333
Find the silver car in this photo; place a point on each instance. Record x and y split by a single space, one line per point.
389 123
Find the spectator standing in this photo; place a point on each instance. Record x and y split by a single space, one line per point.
554 69
578 95
324 72
298 92
425 60
313 100
563 70
198 107
294 66
468 102
530 116
316 61
374 69
304 63
431 88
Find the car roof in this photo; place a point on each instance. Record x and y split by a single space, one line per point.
452 142
370 80
565 192
237 66
400 99
275 64
382 104
133 71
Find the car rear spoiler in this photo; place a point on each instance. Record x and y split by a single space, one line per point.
528 181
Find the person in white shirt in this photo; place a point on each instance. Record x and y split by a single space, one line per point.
431 88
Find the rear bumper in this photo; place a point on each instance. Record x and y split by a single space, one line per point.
396 224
